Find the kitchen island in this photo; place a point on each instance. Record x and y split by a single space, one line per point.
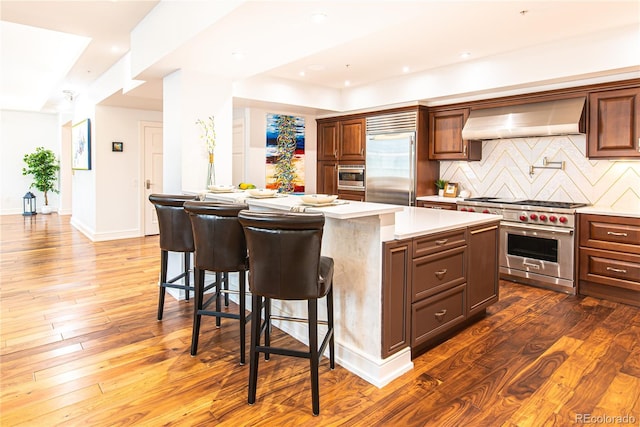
354 236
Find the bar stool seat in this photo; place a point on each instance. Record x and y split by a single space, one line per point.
284 249
175 236
220 247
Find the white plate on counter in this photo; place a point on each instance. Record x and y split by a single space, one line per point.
318 199
221 188
320 205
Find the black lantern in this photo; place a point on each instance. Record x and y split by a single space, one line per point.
29 204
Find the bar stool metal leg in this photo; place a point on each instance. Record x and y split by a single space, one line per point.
164 261
312 305
198 296
332 358
256 327
242 284
187 278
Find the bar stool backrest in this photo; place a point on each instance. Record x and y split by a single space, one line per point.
284 254
173 222
219 238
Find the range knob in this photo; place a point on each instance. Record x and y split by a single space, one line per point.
471 210
523 217
463 209
486 211
563 219
543 217
553 218
533 217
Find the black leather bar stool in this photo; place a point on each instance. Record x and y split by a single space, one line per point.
220 248
175 236
284 249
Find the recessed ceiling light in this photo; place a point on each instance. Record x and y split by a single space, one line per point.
237 56
347 83
115 49
405 69
465 55
301 73
319 17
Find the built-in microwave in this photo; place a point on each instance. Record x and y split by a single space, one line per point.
351 177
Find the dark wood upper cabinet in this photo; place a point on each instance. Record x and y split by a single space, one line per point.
445 136
328 141
342 140
352 139
614 124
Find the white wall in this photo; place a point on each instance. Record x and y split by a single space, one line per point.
20 134
189 96
118 186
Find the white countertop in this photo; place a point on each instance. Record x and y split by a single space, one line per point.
409 221
633 212
286 202
413 222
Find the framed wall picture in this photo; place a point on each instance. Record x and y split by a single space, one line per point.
451 189
81 145
117 146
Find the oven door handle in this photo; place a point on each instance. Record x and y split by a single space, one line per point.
568 231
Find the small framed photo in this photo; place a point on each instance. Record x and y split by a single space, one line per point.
451 189
117 146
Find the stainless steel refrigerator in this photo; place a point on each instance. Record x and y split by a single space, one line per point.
390 163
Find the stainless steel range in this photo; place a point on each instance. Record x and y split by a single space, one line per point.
537 239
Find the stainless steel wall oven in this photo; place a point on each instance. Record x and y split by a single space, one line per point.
351 177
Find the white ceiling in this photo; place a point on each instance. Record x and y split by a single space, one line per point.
360 41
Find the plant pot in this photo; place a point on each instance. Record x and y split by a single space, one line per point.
46 209
441 192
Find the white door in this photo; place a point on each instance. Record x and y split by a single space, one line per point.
152 137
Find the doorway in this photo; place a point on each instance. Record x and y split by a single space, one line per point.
151 135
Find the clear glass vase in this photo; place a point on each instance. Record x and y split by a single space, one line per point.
211 172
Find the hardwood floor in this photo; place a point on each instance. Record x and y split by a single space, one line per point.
80 345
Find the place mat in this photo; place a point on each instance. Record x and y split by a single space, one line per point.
272 196
321 205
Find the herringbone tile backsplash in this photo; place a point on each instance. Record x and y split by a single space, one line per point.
505 166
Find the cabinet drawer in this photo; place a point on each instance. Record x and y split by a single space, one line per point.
438 242
610 268
610 232
436 314
437 205
437 272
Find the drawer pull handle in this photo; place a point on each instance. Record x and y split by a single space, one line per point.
441 242
617 270
440 315
440 274
613 233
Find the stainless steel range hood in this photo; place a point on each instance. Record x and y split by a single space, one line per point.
561 117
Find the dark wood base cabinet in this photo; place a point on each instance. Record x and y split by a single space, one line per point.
609 258
435 284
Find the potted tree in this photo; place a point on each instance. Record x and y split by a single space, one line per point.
44 167
440 184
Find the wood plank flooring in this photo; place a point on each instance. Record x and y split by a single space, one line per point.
80 345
